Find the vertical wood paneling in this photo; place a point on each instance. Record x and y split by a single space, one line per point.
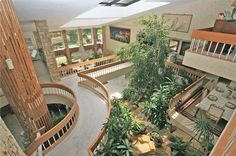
20 84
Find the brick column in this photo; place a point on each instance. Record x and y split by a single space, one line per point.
95 47
42 29
68 56
37 39
104 39
80 37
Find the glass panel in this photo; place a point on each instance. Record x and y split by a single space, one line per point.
30 44
185 46
174 44
57 40
72 37
61 61
87 36
99 35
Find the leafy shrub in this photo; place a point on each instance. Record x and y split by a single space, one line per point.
178 146
119 127
156 108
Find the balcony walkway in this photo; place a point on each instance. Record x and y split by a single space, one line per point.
93 111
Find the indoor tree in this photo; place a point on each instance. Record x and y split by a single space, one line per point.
148 54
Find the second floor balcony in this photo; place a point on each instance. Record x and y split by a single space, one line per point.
212 52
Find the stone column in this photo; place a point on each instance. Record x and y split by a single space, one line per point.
104 39
17 75
37 39
42 29
80 37
68 56
95 47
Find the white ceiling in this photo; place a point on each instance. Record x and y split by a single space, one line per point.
72 12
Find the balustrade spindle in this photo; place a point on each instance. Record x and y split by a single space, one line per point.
192 43
209 48
204 44
222 50
198 43
229 51
215 48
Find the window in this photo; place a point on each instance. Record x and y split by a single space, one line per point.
119 3
99 35
185 46
30 44
72 38
61 61
57 40
87 36
174 44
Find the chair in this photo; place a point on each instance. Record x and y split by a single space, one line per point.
215 113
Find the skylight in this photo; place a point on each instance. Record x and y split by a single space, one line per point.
101 14
119 3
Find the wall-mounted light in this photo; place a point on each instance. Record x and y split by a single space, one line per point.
9 64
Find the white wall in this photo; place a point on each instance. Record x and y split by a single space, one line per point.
211 65
204 14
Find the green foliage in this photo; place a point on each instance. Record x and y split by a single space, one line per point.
95 55
178 146
156 137
119 127
116 148
41 54
148 54
202 128
156 108
184 74
73 36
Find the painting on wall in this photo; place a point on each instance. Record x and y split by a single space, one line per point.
178 22
120 34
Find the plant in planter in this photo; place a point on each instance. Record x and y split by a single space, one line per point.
156 108
202 128
115 148
155 136
178 146
139 128
120 126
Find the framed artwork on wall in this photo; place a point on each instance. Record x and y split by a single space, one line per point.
178 22
120 34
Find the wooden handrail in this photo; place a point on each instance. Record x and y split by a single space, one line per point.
214 36
192 73
176 68
70 119
106 96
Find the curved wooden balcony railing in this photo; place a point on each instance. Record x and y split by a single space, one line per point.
101 90
59 132
86 65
